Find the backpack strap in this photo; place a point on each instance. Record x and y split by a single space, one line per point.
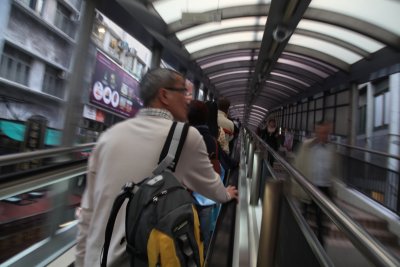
128 191
172 147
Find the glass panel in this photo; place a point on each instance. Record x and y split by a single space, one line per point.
329 112
325 47
310 126
224 39
311 105
343 98
382 13
229 73
319 103
343 114
303 120
318 115
378 112
362 118
329 100
224 24
290 78
387 108
171 10
354 38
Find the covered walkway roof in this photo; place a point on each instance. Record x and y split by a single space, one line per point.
263 54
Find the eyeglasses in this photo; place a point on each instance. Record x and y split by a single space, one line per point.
183 91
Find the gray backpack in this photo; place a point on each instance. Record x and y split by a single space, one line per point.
162 225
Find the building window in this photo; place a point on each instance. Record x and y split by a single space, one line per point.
15 65
381 110
99 31
36 5
130 64
53 83
63 20
138 69
362 119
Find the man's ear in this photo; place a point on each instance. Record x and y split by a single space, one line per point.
163 96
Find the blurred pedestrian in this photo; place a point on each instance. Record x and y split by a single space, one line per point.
317 161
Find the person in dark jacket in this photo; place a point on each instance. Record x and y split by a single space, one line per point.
198 117
270 136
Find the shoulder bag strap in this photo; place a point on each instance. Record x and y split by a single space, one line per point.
172 147
126 193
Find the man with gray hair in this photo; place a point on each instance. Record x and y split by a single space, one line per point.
129 151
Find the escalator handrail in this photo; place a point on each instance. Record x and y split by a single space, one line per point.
357 235
24 156
368 150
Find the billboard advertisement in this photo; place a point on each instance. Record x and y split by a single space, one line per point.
113 88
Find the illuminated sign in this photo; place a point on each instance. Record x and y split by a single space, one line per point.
113 88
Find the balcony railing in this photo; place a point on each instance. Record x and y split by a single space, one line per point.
14 69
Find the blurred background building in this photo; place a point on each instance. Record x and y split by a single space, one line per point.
37 39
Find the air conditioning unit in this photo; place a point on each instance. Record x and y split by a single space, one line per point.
62 74
74 17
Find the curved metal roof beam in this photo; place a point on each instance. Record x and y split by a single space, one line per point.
230 73
227 60
253 109
276 76
238 88
297 65
275 92
233 81
323 66
224 48
299 75
230 76
280 86
287 82
273 97
236 53
228 66
233 94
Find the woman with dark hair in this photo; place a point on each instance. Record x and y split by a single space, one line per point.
212 117
198 117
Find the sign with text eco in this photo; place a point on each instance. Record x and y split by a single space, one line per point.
113 88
